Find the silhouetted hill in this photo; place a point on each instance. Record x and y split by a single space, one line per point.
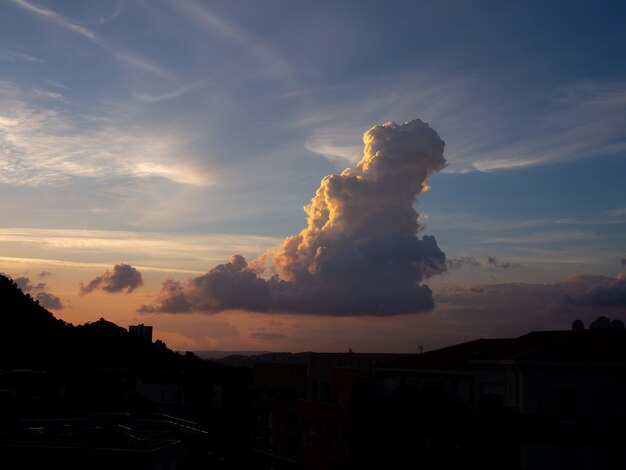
50 366
30 335
32 338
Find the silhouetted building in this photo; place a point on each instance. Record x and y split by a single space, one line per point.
165 389
141 330
545 400
302 412
277 389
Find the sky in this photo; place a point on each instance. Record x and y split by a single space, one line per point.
460 164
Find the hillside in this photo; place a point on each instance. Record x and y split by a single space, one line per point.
32 338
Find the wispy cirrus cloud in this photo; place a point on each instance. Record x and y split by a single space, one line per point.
545 237
148 251
13 260
573 121
157 98
121 54
581 120
44 144
57 18
268 58
7 55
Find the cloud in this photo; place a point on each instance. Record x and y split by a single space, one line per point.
50 95
123 277
497 264
25 285
624 261
606 292
323 144
461 262
159 251
149 98
518 307
171 299
546 237
86 33
268 58
45 299
581 120
16 56
49 143
469 261
49 301
62 21
360 253
572 121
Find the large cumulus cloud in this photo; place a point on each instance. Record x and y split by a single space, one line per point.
123 278
359 254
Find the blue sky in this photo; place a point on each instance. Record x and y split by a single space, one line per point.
170 135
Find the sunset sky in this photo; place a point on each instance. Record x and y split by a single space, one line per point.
145 143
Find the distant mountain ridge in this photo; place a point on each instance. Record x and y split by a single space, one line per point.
248 360
219 354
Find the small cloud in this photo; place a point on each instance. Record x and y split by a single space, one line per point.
339 155
462 262
24 284
45 299
43 274
49 95
497 264
49 301
123 278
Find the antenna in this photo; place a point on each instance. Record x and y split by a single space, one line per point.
420 347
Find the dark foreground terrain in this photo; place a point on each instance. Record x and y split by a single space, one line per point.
95 396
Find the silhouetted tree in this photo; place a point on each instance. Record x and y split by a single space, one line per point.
603 323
